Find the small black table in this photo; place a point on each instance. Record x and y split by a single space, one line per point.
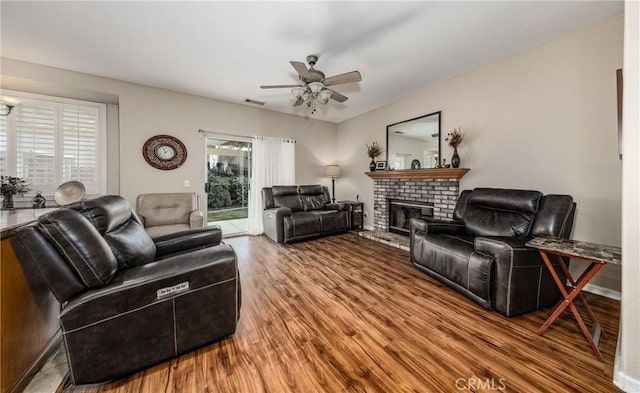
597 255
356 208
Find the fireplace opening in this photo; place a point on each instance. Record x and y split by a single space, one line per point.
400 212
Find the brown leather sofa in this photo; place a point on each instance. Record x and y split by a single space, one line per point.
482 253
294 213
129 301
164 213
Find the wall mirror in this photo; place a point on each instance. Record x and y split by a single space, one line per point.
414 143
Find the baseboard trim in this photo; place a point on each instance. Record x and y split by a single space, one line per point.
602 291
626 382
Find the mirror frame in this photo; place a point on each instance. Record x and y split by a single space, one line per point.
439 113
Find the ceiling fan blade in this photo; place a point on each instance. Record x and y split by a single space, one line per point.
302 70
353 76
337 96
298 102
277 86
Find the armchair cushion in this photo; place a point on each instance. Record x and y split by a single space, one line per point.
163 213
498 213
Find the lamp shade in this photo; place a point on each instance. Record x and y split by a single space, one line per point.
315 87
333 171
298 91
324 96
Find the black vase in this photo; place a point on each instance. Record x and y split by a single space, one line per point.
372 166
455 159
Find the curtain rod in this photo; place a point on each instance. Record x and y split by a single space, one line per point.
203 132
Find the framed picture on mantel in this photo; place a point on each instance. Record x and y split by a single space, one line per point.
381 165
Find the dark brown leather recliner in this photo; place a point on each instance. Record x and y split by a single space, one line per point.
294 213
482 253
129 302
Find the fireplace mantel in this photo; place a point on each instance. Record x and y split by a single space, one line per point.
435 173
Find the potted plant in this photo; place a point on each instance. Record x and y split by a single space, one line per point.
373 151
455 139
10 186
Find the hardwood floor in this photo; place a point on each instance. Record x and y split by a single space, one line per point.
345 314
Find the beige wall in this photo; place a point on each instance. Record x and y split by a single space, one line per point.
627 366
144 111
544 119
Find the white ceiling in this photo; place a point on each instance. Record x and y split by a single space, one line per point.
226 50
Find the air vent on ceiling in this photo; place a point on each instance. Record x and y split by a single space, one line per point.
254 102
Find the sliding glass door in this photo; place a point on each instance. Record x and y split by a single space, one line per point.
228 174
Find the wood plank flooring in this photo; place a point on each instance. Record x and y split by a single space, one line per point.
345 314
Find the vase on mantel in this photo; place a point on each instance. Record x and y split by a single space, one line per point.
7 201
455 159
372 166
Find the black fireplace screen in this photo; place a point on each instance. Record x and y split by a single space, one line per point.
400 212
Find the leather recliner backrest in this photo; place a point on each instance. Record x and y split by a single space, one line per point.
555 216
501 212
313 197
32 249
287 196
112 216
267 198
79 244
461 205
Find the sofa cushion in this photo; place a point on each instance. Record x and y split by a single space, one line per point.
312 197
287 196
332 220
301 224
497 212
80 244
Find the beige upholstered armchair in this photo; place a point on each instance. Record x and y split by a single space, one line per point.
169 212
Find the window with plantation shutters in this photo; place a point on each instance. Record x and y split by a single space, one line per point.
3 144
50 140
80 135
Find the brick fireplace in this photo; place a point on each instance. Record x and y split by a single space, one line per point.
439 187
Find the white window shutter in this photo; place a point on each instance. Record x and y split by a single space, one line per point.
80 140
4 152
35 124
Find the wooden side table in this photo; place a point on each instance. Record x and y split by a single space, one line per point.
597 256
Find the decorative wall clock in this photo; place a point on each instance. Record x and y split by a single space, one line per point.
164 152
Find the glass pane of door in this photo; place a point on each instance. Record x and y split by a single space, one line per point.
228 173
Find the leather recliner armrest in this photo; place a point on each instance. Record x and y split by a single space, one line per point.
445 227
189 240
273 222
517 268
196 219
336 206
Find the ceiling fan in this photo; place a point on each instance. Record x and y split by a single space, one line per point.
314 85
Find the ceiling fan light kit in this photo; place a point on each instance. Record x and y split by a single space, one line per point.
314 84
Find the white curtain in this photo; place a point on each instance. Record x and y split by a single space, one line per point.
273 162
